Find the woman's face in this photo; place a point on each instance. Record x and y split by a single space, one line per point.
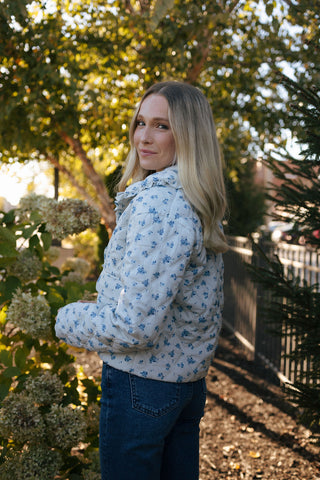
153 137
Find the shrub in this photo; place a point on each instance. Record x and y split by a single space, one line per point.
47 409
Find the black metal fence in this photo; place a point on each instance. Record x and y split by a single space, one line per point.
244 302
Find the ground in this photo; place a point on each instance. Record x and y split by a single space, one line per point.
249 430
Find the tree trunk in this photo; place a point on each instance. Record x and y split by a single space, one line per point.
106 206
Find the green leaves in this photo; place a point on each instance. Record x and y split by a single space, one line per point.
6 357
46 239
9 286
91 389
7 242
160 9
20 357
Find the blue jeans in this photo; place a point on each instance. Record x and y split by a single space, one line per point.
149 429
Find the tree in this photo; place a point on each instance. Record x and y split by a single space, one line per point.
295 308
71 75
244 192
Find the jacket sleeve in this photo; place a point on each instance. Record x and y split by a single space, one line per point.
158 250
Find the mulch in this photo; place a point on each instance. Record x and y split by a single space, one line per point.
250 431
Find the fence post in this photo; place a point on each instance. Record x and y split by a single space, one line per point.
268 345
240 294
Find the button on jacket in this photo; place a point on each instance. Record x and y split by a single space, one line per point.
160 293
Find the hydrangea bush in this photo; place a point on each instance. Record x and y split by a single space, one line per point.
49 413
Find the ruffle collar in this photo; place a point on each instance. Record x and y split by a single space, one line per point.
168 176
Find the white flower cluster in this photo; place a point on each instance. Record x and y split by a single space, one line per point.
21 416
94 466
66 426
29 204
52 254
77 265
21 420
31 314
69 216
73 277
34 463
39 424
27 266
78 268
45 388
62 218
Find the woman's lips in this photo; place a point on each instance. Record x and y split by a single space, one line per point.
146 152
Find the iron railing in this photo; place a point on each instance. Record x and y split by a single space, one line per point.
245 301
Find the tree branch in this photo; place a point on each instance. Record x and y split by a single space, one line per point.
106 203
128 7
195 70
72 180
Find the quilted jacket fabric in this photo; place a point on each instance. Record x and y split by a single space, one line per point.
160 293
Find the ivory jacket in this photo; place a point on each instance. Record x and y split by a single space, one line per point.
160 293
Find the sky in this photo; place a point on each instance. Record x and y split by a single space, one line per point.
17 180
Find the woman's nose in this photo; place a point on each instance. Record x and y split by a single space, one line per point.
146 136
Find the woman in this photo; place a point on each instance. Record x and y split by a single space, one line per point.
158 313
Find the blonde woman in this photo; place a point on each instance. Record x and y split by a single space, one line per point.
160 294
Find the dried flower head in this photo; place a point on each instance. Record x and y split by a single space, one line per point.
52 254
45 389
72 277
78 265
27 266
21 420
69 216
29 204
34 463
31 314
66 427
93 472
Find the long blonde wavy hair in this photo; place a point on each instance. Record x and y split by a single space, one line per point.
197 156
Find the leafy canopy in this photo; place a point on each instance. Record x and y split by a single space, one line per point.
72 72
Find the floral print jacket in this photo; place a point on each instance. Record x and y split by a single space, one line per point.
160 293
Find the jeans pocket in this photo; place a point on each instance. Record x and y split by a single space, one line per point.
154 397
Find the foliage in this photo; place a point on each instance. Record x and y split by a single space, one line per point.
296 305
244 192
73 71
47 407
297 192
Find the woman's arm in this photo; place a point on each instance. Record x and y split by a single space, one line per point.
157 252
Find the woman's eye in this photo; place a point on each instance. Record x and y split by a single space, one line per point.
162 126
140 123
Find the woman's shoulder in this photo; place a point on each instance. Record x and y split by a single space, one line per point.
167 206
156 194
164 198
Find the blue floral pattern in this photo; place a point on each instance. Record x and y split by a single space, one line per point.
160 293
